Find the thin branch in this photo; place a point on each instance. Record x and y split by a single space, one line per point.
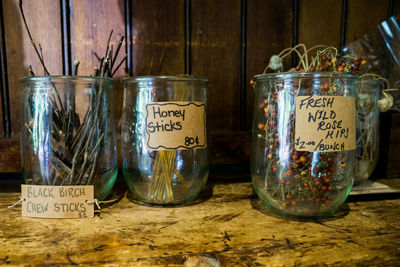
31 39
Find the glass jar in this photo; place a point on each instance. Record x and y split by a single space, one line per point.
68 132
367 96
164 137
302 162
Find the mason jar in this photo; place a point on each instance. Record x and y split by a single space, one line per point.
68 132
367 96
303 141
164 137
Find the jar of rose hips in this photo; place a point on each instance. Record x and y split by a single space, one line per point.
303 141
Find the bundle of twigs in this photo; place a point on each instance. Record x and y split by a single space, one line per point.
75 147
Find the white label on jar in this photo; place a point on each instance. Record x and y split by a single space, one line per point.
47 201
325 123
175 125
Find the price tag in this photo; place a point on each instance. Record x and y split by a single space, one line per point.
175 125
46 201
325 123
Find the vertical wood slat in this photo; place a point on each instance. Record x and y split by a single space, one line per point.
319 22
270 31
129 37
66 37
295 30
188 37
216 54
343 24
158 37
43 18
5 124
91 24
243 65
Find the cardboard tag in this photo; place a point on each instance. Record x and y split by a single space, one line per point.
325 123
46 201
175 125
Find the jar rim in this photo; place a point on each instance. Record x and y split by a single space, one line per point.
287 75
165 78
64 77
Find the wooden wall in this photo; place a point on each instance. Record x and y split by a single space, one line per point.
228 41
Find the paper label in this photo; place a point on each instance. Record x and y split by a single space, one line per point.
175 125
325 123
46 201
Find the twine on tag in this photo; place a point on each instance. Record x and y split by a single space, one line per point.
16 203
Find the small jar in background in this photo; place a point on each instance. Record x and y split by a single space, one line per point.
367 96
164 137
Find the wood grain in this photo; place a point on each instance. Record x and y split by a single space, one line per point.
216 55
91 24
1 121
158 37
228 226
10 157
319 22
393 161
43 18
267 35
364 16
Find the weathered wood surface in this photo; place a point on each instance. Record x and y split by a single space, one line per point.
228 225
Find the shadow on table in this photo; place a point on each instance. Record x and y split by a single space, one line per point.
205 195
11 182
257 204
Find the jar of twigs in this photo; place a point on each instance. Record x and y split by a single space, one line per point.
68 132
164 137
304 133
367 94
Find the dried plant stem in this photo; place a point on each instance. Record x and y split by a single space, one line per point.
164 168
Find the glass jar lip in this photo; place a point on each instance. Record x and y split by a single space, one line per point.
88 79
165 78
287 75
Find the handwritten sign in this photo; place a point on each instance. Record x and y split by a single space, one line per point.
325 123
175 125
46 201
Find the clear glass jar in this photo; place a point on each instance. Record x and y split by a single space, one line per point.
68 132
164 137
296 182
367 96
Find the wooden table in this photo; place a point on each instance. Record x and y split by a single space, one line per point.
227 225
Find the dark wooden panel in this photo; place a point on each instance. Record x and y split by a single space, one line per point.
226 149
158 37
10 157
393 162
216 54
364 16
43 18
319 22
269 32
396 9
1 122
91 24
